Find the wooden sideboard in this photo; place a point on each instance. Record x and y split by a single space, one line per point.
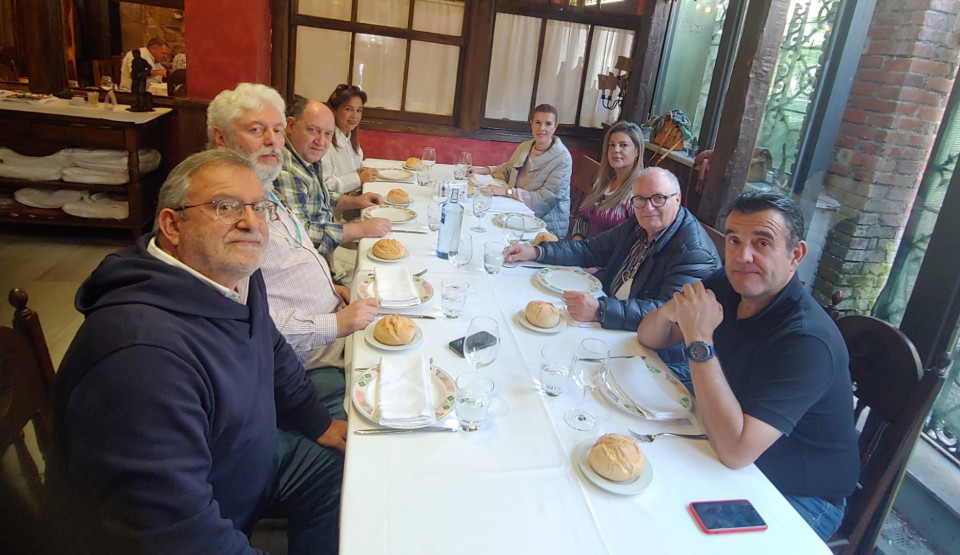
41 130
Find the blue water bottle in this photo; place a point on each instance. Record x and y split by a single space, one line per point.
451 218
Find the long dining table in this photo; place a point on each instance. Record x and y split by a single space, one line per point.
515 485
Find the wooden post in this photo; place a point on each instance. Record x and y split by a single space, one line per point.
42 35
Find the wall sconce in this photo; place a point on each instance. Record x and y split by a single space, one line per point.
610 82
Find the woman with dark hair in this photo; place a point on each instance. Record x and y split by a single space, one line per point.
608 203
538 173
342 165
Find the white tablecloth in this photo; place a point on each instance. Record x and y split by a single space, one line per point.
514 486
63 107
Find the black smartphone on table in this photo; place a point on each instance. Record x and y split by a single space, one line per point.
723 517
486 338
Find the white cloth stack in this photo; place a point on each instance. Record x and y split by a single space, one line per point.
395 287
637 384
405 392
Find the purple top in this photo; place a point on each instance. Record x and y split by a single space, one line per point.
594 221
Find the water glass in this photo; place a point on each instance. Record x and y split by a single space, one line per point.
482 342
464 252
453 296
473 399
423 176
463 164
493 256
441 191
482 201
555 365
434 211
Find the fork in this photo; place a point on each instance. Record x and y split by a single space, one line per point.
648 438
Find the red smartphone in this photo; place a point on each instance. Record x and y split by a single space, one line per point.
724 517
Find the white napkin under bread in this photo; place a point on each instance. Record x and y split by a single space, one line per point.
632 377
405 392
395 287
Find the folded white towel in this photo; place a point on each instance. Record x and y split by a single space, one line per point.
405 392
633 378
395 287
46 198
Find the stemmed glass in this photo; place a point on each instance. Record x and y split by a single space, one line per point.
441 191
463 164
513 223
481 203
592 356
106 83
482 342
428 159
464 252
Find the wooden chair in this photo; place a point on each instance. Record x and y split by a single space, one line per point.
893 394
718 238
581 184
177 83
105 67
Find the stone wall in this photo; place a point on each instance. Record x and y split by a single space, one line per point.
896 103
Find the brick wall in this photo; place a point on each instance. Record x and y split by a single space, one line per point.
896 103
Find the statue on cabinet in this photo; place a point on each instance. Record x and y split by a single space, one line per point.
140 71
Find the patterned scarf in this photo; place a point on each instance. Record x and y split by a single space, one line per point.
638 253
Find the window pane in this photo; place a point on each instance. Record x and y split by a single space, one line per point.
632 7
690 61
438 16
608 45
334 61
512 65
378 69
432 81
334 9
391 13
561 67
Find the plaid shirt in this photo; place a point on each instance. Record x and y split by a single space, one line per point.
300 187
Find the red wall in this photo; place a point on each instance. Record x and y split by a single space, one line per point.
228 43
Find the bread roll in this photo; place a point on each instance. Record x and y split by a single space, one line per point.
398 196
394 330
388 249
542 314
413 163
617 458
544 237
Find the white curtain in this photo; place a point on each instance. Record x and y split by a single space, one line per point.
378 69
512 65
333 9
391 13
432 78
323 61
561 67
438 16
607 45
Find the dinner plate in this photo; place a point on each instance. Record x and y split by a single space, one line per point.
409 169
527 222
670 384
375 258
522 318
393 174
365 394
397 204
395 214
367 288
415 342
558 279
632 487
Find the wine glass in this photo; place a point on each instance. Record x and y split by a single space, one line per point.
481 203
463 164
106 83
514 225
482 342
464 252
428 159
592 357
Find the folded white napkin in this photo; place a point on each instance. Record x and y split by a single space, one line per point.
395 287
633 379
405 392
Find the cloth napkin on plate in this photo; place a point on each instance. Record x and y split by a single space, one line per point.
405 392
636 383
395 287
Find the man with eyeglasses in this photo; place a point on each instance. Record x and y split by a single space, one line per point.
645 259
171 398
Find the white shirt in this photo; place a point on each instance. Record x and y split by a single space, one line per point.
240 295
340 165
126 81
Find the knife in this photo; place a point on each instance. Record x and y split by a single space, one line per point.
421 316
387 431
423 231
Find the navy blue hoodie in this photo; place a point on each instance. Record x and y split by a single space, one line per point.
168 402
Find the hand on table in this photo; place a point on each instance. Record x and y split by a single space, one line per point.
696 311
358 202
370 199
374 227
581 305
356 316
367 174
516 252
343 292
335 436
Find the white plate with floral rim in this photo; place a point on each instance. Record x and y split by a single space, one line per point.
375 258
396 214
365 394
394 174
558 279
667 381
415 342
522 319
368 288
632 487
519 222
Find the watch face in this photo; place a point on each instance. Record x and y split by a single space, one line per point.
698 351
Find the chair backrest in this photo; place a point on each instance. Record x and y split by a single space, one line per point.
718 238
893 395
105 67
26 387
581 184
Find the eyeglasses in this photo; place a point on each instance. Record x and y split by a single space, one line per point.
231 210
639 201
